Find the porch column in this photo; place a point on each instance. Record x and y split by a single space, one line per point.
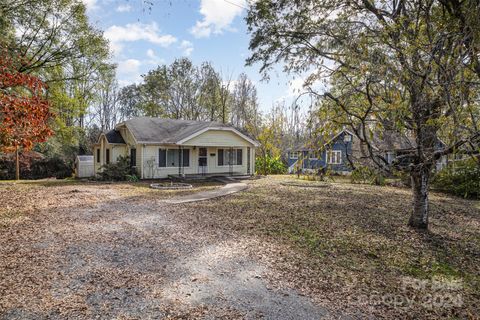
249 159
230 161
180 160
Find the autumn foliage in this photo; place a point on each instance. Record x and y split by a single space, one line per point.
24 110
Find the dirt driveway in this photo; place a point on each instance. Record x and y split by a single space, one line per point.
86 251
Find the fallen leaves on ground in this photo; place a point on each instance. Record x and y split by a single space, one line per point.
348 246
80 250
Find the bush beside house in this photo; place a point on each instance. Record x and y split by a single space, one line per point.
34 165
367 175
270 165
461 178
118 171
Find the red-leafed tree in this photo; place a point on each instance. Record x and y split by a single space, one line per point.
24 110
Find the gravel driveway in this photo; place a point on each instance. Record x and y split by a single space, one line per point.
99 254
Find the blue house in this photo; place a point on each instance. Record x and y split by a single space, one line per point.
332 155
338 153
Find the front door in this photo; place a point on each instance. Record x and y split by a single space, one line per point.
202 160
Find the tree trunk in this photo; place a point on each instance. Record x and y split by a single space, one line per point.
17 165
420 182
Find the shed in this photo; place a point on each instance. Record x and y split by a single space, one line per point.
84 167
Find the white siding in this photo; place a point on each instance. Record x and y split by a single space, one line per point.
218 138
127 136
153 171
117 151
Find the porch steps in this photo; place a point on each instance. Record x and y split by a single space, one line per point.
224 179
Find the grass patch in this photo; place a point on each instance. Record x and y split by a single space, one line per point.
141 190
43 182
7 217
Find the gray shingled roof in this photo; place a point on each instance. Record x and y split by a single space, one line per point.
315 143
166 131
113 136
390 140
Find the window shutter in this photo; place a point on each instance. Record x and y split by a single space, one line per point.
133 157
107 156
239 157
186 157
162 158
220 157
98 155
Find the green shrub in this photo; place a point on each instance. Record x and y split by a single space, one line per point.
367 175
51 167
118 171
461 178
34 165
270 165
131 178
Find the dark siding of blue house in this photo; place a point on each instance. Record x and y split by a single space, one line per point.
338 144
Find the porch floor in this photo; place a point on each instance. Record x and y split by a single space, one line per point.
209 176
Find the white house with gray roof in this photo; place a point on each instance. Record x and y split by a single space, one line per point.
159 148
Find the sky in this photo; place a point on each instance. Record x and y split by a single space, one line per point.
142 37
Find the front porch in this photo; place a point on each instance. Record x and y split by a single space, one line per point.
196 162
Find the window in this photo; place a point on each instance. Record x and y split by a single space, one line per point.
171 158
98 155
133 157
228 157
313 155
347 138
390 157
107 156
294 155
334 157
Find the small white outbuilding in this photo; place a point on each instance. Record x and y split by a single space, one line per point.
84 167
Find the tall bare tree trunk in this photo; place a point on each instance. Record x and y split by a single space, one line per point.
420 181
17 164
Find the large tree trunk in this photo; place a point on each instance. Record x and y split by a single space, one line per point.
420 182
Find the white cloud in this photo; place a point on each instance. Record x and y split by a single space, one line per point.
90 4
187 47
153 58
117 35
129 71
218 15
124 8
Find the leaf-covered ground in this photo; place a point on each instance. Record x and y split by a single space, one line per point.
118 251
348 246
86 250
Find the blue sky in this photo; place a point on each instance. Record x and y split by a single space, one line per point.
203 30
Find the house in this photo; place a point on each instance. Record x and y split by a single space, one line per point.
333 154
159 148
345 148
395 148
